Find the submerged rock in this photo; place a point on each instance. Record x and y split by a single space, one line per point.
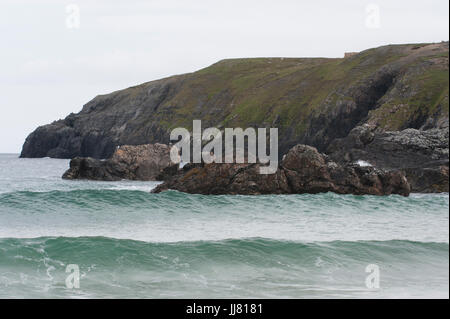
141 162
303 170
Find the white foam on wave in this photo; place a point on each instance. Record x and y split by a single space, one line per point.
147 187
363 163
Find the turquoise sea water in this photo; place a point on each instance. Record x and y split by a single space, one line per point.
129 243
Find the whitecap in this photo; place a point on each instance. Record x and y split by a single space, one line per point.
363 163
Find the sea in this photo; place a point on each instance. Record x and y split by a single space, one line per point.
89 239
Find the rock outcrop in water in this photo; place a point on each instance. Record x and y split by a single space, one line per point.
421 155
303 170
142 162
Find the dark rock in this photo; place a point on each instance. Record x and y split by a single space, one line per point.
91 168
306 170
421 155
429 179
303 170
309 171
215 179
142 162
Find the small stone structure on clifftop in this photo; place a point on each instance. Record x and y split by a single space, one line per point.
349 54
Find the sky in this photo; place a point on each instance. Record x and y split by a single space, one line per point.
55 56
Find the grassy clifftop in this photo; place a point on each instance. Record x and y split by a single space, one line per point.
288 91
310 100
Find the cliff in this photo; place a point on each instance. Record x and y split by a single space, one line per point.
311 100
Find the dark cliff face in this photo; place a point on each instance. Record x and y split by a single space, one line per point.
60 140
311 101
422 155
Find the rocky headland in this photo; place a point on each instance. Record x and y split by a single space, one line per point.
386 106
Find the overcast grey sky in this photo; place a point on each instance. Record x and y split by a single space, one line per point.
51 65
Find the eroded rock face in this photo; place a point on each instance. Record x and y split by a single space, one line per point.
303 170
232 179
309 171
141 162
428 180
421 155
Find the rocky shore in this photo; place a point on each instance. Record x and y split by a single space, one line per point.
422 155
303 170
385 107
367 161
141 162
